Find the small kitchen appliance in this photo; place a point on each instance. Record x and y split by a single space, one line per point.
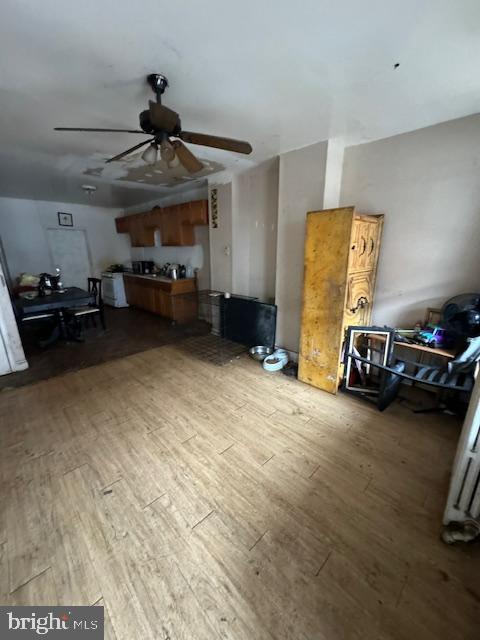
147 267
143 267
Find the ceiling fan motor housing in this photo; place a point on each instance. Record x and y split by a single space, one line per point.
147 125
145 122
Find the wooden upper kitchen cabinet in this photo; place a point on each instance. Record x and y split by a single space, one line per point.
175 231
136 225
140 234
196 212
122 224
341 256
176 224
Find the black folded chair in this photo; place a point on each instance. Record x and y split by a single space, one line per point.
89 313
458 376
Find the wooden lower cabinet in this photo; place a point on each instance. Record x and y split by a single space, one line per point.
171 299
139 294
182 308
161 303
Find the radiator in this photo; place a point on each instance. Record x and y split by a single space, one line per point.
462 512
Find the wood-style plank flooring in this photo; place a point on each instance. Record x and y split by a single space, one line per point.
120 339
197 502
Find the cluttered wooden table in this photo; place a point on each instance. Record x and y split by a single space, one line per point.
421 348
443 353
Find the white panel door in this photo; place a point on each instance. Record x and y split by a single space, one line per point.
4 361
12 357
69 251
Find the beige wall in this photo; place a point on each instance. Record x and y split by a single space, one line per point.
254 231
301 189
427 183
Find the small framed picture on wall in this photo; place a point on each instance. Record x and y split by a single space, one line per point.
65 219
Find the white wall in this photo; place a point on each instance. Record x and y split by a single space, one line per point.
193 256
427 183
301 189
197 256
333 173
254 231
23 225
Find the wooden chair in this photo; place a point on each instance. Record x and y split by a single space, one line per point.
31 317
94 309
44 326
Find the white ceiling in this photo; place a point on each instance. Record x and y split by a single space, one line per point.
278 73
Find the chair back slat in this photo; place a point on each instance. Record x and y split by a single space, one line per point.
95 289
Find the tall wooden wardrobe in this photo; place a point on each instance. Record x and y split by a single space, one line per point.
341 256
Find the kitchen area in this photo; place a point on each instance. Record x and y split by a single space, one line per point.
118 282
148 268
175 241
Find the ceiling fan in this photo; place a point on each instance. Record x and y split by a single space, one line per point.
164 125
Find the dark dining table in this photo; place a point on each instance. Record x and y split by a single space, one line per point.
55 303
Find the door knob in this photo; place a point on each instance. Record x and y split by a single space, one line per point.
361 303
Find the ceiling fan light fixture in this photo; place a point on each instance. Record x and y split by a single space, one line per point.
174 163
150 155
167 152
89 189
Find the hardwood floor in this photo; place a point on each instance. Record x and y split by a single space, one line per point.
197 501
128 331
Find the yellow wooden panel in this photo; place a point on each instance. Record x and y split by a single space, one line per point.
359 286
366 235
366 229
327 248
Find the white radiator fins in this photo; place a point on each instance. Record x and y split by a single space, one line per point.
473 507
463 503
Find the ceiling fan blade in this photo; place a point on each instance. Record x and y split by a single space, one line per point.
128 151
163 118
100 130
191 163
206 140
